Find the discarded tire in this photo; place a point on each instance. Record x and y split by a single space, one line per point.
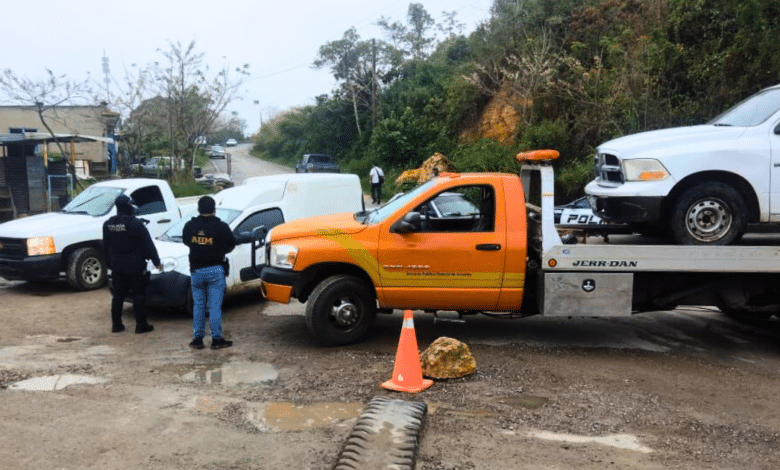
386 436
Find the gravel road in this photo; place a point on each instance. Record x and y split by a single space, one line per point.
687 389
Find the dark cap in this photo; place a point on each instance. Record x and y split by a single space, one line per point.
206 205
124 204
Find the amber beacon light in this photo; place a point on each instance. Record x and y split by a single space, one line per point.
537 156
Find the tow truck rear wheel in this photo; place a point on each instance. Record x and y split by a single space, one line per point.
340 310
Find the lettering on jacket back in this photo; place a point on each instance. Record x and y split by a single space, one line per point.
200 238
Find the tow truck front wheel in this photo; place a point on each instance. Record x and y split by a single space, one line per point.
340 310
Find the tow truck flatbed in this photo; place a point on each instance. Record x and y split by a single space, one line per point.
633 273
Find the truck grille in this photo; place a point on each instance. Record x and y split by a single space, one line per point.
608 169
13 248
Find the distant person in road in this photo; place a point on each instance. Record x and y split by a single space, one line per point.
209 240
377 177
127 247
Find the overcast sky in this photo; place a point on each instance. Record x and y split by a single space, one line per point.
278 39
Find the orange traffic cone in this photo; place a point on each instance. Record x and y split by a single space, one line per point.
407 372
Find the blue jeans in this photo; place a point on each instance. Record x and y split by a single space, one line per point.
208 289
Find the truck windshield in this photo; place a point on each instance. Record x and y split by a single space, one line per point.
94 201
751 111
380 214
174 233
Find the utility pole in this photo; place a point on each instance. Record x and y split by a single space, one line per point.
106 72
373 84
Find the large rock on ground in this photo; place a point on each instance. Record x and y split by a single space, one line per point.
447 358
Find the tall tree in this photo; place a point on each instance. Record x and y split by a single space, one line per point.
143 115
418 37
195 97
415 39
350 60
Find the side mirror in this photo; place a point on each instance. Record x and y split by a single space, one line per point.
243 237
408 224
258 241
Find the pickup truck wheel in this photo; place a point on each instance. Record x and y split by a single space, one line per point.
86 269
709 214
340 310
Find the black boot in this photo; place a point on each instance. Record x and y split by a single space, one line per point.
143 328
117 328
219 343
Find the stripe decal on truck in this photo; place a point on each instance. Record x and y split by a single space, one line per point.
394 278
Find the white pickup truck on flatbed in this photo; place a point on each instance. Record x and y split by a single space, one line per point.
69 243
636 275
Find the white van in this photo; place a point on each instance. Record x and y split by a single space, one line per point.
261 201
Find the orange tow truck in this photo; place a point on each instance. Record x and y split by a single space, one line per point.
473 243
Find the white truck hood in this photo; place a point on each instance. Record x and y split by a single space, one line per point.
636 145
178 252
51 223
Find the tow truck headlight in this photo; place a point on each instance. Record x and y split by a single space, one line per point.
283 256
40 246
644 169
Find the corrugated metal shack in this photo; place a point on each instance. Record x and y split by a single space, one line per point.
29 182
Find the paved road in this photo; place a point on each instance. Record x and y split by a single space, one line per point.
241 165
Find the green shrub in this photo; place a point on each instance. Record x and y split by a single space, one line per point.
184 187
547 135
572 177
484 155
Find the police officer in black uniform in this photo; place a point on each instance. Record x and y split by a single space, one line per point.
127 246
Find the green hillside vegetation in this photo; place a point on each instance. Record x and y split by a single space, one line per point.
562 74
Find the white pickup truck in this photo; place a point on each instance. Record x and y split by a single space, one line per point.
701 185
265 201
69 243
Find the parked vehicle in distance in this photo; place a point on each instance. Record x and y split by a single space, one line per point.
701 185
69 243
261 201
231 143
217 151
157 167
317 163
577 212
217 181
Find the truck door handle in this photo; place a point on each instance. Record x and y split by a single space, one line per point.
488 247
164 221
